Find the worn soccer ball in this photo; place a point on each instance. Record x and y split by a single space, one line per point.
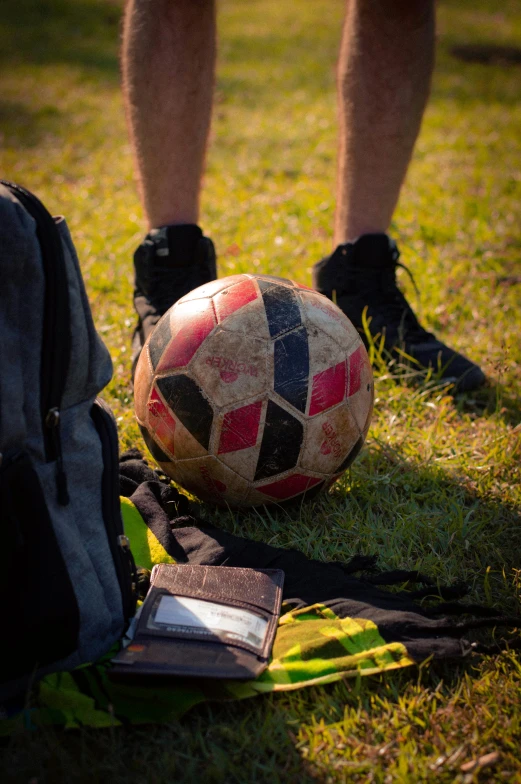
254 389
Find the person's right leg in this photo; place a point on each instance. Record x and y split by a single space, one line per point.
168 64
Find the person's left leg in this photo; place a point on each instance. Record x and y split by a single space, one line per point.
384 72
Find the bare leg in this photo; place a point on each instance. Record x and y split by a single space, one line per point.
384 70
168 78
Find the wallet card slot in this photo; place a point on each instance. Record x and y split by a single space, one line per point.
188 618
191 618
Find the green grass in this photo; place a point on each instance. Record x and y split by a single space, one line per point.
437 487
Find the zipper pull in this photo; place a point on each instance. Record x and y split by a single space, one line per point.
52 422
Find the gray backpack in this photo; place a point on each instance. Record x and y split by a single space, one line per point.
66 571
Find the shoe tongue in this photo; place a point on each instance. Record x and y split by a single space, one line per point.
176 245
373 250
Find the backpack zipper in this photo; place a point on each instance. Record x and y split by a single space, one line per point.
111 509
56 341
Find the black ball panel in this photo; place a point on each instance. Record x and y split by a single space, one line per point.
281 442
184 397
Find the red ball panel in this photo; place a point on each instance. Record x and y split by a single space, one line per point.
191 323
355 363
289 486
240 428
161 422
361 391
234 298
328 388
211 288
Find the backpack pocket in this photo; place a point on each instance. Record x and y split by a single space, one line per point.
40 614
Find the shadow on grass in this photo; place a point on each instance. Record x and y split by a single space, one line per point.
493 400
74 32
240 742
86 33
487 54
265 738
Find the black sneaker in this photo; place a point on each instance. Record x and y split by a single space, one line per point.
363 275
169 263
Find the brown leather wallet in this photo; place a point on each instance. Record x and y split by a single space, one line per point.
204 622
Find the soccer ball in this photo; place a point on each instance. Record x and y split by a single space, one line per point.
253 390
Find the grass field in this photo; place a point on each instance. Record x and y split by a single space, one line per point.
437 486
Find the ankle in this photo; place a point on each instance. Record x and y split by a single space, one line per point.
369 252
175 245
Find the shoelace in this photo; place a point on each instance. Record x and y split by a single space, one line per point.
392 305
396 308
411 276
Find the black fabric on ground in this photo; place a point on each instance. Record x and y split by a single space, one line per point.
398 617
